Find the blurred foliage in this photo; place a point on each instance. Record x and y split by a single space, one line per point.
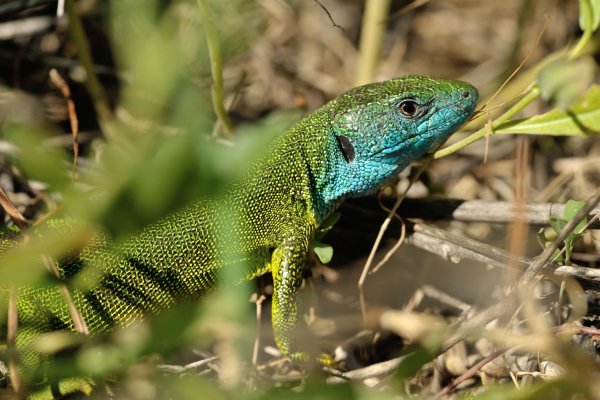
159 154
562 82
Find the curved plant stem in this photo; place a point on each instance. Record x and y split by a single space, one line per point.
216 68
580 46
532 95
587 33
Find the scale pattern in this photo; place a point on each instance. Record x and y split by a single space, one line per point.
350 147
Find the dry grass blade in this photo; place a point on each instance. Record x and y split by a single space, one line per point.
391 252
522 64
12 211
11 336
259 303
382 230
73 120
78 321
83 51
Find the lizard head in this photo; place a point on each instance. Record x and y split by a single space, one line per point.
381 127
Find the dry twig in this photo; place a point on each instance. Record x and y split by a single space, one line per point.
66 92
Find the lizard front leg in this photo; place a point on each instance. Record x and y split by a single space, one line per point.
288 263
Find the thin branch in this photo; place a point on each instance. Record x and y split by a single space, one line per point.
508 303
434 293
503 212
455 247
592 274
498 212
373 370
469 373
330 17
177 369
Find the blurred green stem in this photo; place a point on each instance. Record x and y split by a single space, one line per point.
216 68
578 50
85 57
532 95
373 25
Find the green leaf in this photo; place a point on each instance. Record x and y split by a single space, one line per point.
582 119
323 251
571 209
557 224
40 162
541 237
562 82
589 14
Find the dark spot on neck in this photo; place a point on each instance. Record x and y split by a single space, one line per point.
346 147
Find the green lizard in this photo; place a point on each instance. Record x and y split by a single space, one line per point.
350 147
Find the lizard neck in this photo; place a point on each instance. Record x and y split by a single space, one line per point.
313 143
335 179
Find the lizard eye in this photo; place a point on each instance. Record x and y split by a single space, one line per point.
409 108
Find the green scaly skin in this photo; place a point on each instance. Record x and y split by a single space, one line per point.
350 147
